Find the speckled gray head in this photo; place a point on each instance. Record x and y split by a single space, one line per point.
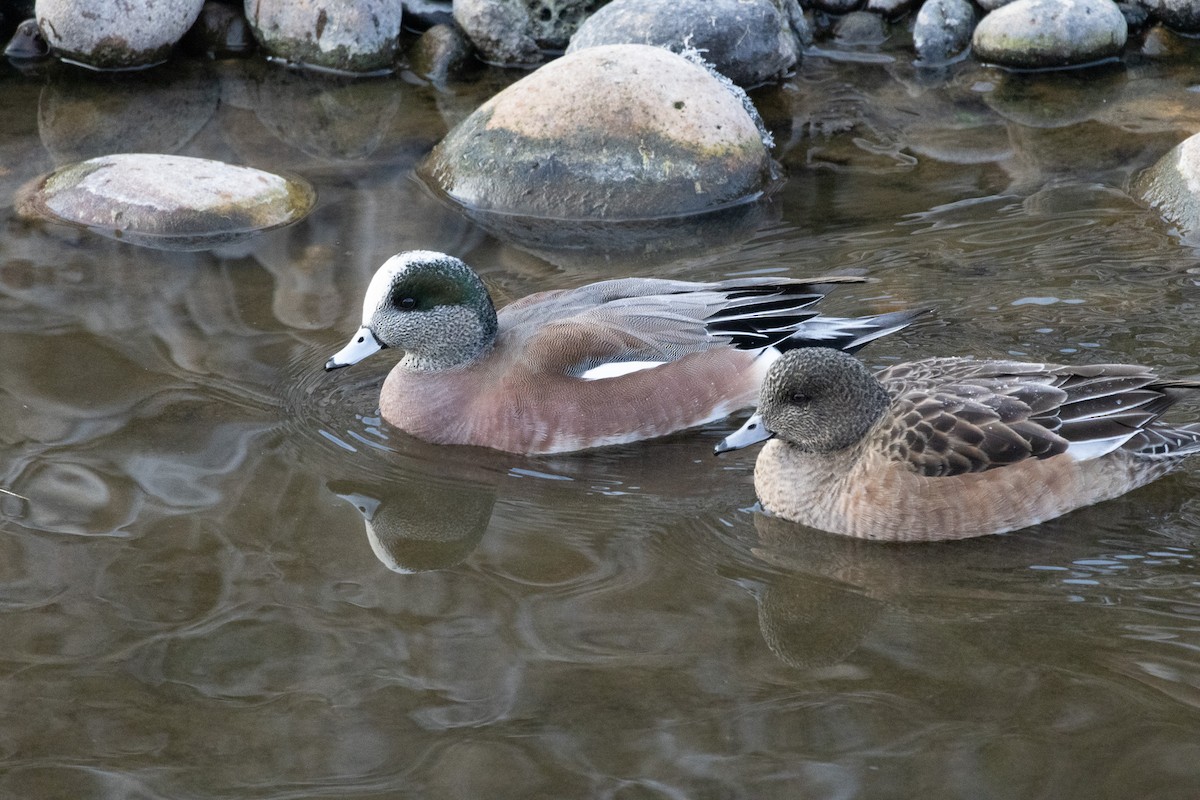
816 398
430 305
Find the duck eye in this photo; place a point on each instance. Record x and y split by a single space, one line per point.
407 303
800 398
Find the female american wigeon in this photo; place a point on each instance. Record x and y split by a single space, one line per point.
611 362
947 448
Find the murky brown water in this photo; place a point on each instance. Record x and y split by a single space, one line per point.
191 604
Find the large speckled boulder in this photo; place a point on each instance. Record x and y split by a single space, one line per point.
1182 15
115 34
519 32
748 41
358 37
171 202
1172 186
1035 34
606 133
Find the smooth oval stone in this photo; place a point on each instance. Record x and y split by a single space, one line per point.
748 41
1172 186
168 202
943 29
1037 34
606 133
358 37
132 33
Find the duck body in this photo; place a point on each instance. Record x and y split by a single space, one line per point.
952 448
607 363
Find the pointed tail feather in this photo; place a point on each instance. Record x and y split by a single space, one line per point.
849 333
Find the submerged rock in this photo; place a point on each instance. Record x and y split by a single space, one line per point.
748 41
358 37
131 33
943 30
606 133
1038 34
168 202
1172 186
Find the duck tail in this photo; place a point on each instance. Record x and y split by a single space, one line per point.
849 333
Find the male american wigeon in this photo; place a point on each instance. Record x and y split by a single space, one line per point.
610 362
947 448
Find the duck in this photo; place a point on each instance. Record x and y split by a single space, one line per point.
951 448
607 363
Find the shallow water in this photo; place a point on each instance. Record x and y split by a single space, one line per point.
192 605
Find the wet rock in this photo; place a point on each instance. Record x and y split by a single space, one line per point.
657 135
860 29
1181 15
424 14
168 202
1172 186
1136 17
358 37
1035 34
891 9
441 52
836 6
27 42
521 32
132 33
81 115
220 31
943 29
748 42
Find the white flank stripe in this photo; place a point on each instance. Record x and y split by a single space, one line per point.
615 369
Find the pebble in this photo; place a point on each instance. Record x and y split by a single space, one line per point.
352 37
748 41
167 202
1040 34
109 35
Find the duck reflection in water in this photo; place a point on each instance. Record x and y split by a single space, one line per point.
421 525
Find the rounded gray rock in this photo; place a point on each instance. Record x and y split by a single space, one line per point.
517 32
943 29
1172 186
1035 34
1181 15
836 6
358 37
117 34
168 202
606 133
748 41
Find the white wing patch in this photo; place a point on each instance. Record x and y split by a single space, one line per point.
615 369
1094 448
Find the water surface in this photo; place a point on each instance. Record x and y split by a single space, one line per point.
193 604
